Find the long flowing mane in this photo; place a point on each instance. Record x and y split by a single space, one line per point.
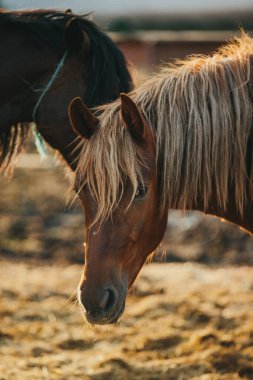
108 73
200 111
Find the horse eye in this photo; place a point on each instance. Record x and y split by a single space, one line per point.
141 192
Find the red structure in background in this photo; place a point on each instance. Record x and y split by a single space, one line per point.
147 49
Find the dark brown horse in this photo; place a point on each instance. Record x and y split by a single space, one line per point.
47 58
183 140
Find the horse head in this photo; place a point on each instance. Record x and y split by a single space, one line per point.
119 190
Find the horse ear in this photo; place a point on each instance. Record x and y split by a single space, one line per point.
82 120
76 39
132 118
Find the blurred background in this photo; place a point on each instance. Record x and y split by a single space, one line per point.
189 319
151 32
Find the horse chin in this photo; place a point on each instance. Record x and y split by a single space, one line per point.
94 319
117 316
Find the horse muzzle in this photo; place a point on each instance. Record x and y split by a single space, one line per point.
102 306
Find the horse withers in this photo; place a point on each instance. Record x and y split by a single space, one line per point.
182 140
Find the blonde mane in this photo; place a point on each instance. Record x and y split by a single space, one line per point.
200 111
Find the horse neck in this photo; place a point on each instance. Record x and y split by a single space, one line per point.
231 214
74 81
20 83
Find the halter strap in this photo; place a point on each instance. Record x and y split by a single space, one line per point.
49 84
39 142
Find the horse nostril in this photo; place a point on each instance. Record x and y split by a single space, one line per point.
109 300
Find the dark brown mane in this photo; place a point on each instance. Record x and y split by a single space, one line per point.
11 143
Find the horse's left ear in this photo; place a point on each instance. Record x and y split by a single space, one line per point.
82 120
76 39
132 119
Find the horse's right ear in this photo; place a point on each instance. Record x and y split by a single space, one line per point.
76 39
132 119
82 120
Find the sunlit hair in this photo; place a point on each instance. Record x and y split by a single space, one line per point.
107 161
200 110
11 144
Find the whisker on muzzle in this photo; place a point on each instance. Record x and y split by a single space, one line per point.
73 299
79 301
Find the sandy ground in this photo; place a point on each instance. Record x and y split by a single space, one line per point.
182 321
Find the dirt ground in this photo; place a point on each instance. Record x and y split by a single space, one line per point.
191 318
182 321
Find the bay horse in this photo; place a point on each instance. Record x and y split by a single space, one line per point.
46 58
182 140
